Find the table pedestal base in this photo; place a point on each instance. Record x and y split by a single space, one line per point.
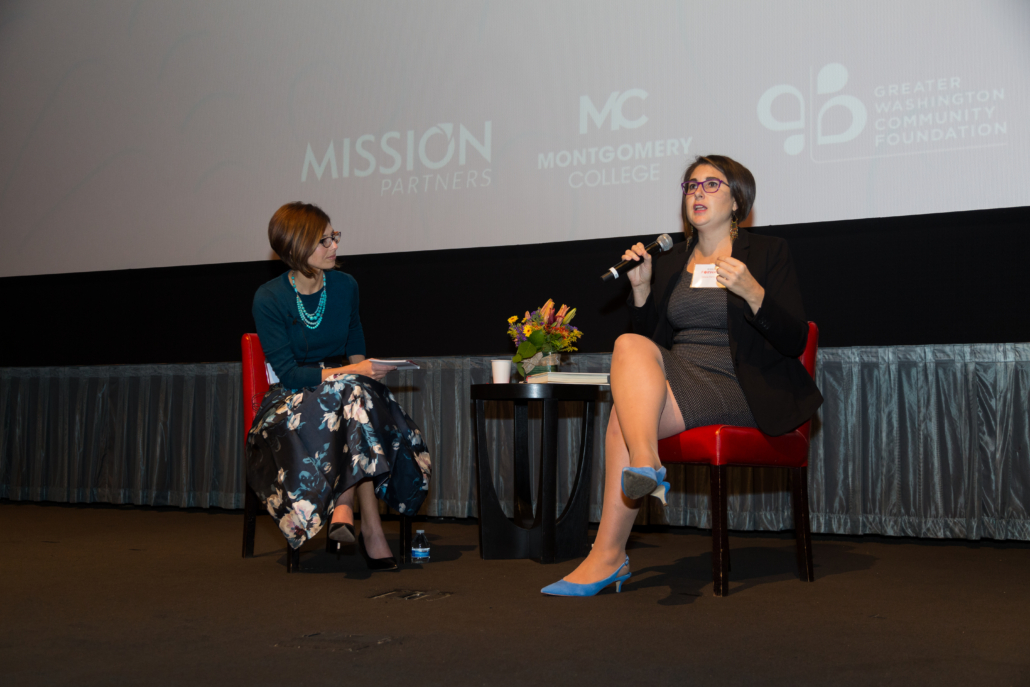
547 537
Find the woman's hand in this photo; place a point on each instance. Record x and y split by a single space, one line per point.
365 368
735 276
369 369
640 276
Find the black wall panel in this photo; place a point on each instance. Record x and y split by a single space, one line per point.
947 278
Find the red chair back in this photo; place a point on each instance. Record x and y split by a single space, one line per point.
811 348
808 360
255 381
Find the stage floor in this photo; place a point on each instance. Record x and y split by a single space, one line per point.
153 596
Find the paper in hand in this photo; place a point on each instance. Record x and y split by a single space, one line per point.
399 364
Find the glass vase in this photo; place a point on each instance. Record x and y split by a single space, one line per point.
549 363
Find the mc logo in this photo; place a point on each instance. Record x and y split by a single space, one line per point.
613 106
831 79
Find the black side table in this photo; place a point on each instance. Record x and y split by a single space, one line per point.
542 536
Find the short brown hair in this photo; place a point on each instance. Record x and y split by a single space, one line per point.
294 231
739 177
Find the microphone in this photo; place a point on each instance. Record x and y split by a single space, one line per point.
662 243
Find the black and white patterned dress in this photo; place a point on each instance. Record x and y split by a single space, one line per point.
306 447
699 367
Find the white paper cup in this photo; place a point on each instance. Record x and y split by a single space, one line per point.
501 370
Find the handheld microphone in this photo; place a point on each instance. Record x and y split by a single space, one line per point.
662 243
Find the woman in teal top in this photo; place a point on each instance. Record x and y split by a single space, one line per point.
293 349
328 431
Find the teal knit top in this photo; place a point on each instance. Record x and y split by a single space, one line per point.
292 349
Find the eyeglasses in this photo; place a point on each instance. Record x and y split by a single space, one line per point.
709 185
328 241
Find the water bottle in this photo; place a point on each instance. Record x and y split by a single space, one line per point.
420 548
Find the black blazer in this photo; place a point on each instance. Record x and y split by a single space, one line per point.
764 346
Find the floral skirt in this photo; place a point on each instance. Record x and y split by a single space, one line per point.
308 447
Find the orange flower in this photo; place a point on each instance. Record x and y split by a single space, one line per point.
547 310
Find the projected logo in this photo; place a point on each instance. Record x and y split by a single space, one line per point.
919 116
443 157
832 78
613 162
613 110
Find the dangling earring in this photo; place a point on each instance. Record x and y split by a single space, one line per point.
733 229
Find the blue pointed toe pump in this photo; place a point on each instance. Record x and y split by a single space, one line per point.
639 482
563 588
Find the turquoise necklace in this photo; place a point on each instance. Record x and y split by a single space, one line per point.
311 320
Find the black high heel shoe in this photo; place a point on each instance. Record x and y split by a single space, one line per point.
375 564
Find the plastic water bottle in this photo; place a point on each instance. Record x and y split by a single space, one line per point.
420 548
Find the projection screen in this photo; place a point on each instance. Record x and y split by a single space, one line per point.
147 134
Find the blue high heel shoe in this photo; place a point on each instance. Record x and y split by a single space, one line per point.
563 588
639 482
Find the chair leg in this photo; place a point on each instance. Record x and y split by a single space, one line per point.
802 525
720 537
405 552
250 511
724 507
727 558
292 559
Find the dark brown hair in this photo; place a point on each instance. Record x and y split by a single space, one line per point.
739 177
294 231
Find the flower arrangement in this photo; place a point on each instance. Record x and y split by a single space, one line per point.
542 332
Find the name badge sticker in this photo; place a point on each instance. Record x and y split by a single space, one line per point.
705 277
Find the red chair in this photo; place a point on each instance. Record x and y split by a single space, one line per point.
719 446
255 385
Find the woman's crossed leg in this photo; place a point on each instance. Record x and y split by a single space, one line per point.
644 411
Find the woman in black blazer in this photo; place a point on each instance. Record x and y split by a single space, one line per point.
715 351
